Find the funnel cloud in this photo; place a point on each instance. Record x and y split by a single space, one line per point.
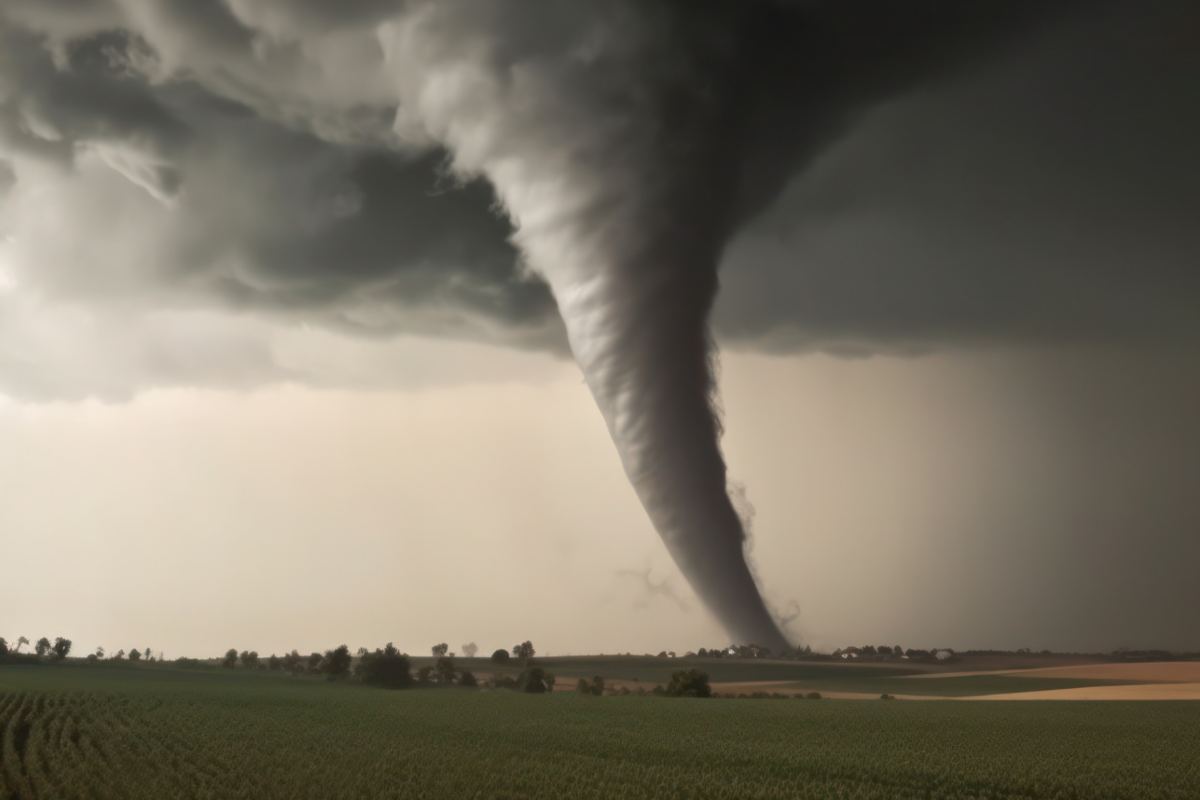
627 143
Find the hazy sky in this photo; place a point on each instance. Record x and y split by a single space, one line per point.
273 375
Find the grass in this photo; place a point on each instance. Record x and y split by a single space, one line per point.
810 676
113 731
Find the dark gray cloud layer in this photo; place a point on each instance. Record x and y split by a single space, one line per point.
948 175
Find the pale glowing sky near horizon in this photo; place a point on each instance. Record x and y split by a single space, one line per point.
898 500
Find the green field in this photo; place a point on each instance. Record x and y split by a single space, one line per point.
114 731
809 676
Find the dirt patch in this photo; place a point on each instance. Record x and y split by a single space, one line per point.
1147 672
1142 691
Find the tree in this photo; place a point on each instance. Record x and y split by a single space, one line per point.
336 663
119 656
500 657
445 670
470 649
134 655
532 681
274 662
523 651
230 659
249 659
689 683
467 679
440 650
387 668
425 675
42 647
21 640
314 662
99 653
3 647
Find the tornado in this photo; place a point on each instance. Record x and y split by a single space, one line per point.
627 141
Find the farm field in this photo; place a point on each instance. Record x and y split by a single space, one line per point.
831 678
118 731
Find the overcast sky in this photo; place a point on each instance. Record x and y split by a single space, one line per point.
279 369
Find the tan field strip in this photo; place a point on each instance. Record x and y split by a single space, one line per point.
1137 691
1147 672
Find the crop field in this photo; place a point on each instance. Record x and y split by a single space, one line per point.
113 731
802 676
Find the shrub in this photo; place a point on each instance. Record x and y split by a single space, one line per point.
689 683
467 678
813 696
532 681
387 668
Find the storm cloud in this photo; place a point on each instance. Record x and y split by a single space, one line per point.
987 178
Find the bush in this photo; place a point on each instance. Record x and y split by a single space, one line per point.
886 696
467 678
689 683
594 687
532 681
336 663
500 657
387 668
813 696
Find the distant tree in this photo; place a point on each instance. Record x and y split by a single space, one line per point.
120 656
425 675
702 653
593 687
61 648
135 655
445 670
249 659
293 662
467 679
550 680
314 662
689 683
362 651
230 659
336 663
274 663
524 651
3 647
532 681
21 640
387 668
869 650
470 649
897 650
42 647
440 650
500 657
583 687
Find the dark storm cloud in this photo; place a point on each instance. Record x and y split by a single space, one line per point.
260 215
1046 197
1026 180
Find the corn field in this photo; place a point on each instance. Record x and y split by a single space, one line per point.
108 732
